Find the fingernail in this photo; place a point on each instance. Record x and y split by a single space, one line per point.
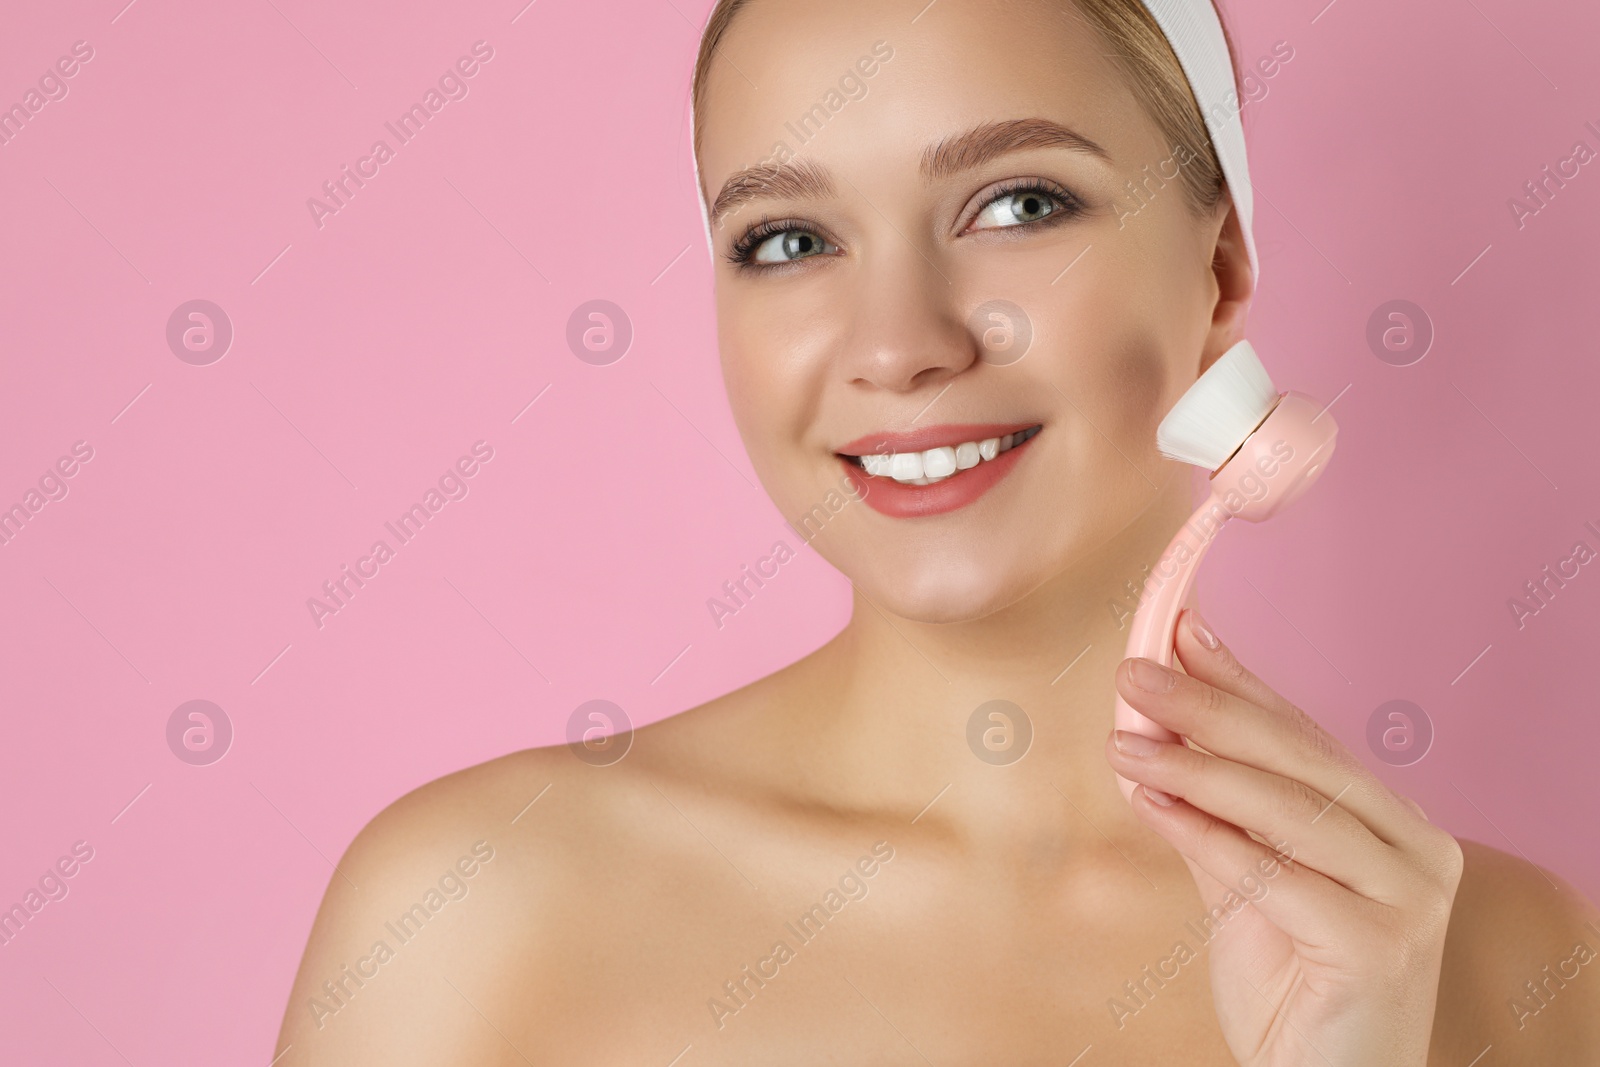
1197 626
1151 676
1131 744
1164 799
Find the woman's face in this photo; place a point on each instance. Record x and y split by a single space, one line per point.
981 153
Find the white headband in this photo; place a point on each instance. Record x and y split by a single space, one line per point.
1195 33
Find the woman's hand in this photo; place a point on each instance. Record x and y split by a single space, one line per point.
1333 957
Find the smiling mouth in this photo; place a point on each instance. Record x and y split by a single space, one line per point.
935 465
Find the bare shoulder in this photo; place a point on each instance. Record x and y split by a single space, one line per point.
1521 968
398 944
445 901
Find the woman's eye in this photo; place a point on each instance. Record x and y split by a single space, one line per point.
1012 209
790 245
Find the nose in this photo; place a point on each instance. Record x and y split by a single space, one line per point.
906 331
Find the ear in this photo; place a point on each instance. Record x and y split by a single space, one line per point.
1236 285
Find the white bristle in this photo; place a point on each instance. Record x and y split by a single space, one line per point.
1222 407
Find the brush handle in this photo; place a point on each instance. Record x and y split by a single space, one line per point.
1168 588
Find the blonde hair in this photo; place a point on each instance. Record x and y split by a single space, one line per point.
1137 45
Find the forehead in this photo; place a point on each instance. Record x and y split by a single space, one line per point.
793 75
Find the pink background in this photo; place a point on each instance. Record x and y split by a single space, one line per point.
426 314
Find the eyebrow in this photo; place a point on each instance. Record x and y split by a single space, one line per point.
802 179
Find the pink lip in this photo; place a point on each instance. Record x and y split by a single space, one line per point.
950 434
899 500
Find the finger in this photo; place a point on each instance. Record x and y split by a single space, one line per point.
1226 709
1413 805
1222 669
1386 813
1303 903
1281 742
1290 815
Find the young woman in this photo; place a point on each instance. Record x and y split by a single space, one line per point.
909 847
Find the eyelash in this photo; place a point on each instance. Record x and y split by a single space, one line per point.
752 239
765 228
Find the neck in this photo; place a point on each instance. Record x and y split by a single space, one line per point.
898 699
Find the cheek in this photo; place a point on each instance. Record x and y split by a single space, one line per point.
773 375
1118 331
777 349
1119 396
1124 391
747 351
1136 386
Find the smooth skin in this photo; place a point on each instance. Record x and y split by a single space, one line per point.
966 910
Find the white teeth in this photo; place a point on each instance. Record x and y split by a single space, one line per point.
905 466
939 462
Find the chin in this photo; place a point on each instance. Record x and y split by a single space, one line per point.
942 591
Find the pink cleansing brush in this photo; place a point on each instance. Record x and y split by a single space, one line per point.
1263 449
